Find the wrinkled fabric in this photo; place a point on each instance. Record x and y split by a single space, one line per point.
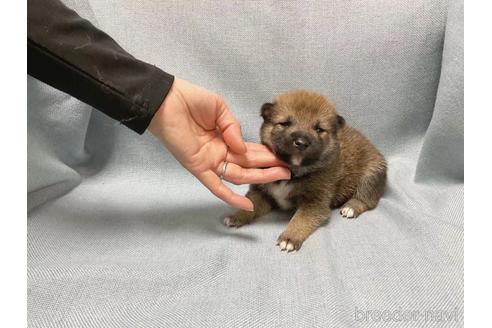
69 53
119 235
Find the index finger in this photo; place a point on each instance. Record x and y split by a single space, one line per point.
261 157
230 128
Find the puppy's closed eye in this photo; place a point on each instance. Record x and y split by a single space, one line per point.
284 124
319 129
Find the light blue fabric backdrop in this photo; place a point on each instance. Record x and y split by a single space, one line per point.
119 235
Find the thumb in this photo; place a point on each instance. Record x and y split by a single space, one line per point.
230 128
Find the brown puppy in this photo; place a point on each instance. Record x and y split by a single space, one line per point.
332 165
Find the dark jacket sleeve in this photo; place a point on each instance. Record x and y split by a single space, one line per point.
70 54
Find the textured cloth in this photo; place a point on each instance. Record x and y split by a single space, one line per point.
119 235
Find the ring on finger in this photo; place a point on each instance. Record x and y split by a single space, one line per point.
224 166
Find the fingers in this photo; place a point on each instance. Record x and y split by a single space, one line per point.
215 185
238 175
230 128
255 156
256 146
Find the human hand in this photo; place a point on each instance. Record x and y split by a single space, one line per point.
197 127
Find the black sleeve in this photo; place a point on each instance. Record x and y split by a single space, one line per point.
70 54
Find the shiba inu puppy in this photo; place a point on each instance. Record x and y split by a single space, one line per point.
333 165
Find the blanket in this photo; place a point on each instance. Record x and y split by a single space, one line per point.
120 235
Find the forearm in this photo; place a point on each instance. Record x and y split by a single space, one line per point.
70 54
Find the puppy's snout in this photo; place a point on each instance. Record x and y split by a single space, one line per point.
301 141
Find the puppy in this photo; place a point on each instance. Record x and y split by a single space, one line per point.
333 165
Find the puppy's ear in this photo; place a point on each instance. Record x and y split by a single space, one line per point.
266 110
340 121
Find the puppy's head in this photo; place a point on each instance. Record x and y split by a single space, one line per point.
301 127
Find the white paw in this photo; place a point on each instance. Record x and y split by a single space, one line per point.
286 246
347 212
227 221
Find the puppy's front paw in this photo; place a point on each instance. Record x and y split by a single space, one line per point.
348 212
234 221
289 241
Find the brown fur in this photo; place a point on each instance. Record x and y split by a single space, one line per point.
339 167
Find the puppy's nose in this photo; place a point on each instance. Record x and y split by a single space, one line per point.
301 143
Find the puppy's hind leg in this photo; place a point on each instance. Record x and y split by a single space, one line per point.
242 217
367 194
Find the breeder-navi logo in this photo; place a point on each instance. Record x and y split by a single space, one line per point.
405 315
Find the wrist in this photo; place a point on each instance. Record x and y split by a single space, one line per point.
155 126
